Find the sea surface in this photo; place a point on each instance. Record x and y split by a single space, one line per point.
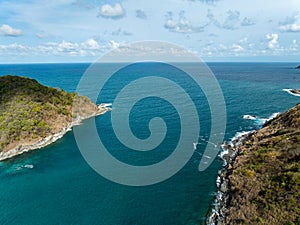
55 185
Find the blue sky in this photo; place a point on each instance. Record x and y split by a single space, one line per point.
83 30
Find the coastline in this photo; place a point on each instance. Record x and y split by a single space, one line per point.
20 149
258 171
231 149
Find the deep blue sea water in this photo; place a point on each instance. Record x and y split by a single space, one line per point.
55 185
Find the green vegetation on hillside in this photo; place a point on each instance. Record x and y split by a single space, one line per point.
265 178
29 110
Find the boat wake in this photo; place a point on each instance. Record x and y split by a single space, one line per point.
290 91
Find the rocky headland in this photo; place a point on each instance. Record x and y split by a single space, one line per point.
33 116
260 183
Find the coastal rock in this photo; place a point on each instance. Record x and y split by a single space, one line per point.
223 187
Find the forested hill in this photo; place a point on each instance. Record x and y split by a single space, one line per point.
30 111
264 179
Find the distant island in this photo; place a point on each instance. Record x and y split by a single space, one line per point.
33 116
261 182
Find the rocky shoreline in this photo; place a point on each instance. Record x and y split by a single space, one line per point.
230 151
259 183
102 108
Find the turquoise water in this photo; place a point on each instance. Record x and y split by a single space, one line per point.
55 185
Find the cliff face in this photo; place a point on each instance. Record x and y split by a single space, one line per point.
30 112
264 179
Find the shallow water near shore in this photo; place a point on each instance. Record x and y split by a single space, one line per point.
54 185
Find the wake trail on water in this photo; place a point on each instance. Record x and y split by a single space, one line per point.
290 92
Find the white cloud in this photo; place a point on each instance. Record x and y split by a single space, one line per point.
272 41
243 40
120 32
140 14
294 46
9 31
223 50
15 47
67 46
113 12
182 25
237 48
232 20
230 23
291 24
212 18
247 22
126 51
91 44
89 47
114 44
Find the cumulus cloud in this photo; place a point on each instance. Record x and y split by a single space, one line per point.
7 30
291 24
294 47
89 47
91 44
237 48
113 44
138 50
272 41
223 50
212 18
231 20
230 23
43 34
247 22
140 14
13 48
181 25
113 12
120 32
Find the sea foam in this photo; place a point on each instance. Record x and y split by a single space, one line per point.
259 120
290 92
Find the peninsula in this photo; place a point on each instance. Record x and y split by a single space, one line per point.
33 116
261 182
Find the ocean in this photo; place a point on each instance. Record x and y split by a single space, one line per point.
55 185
